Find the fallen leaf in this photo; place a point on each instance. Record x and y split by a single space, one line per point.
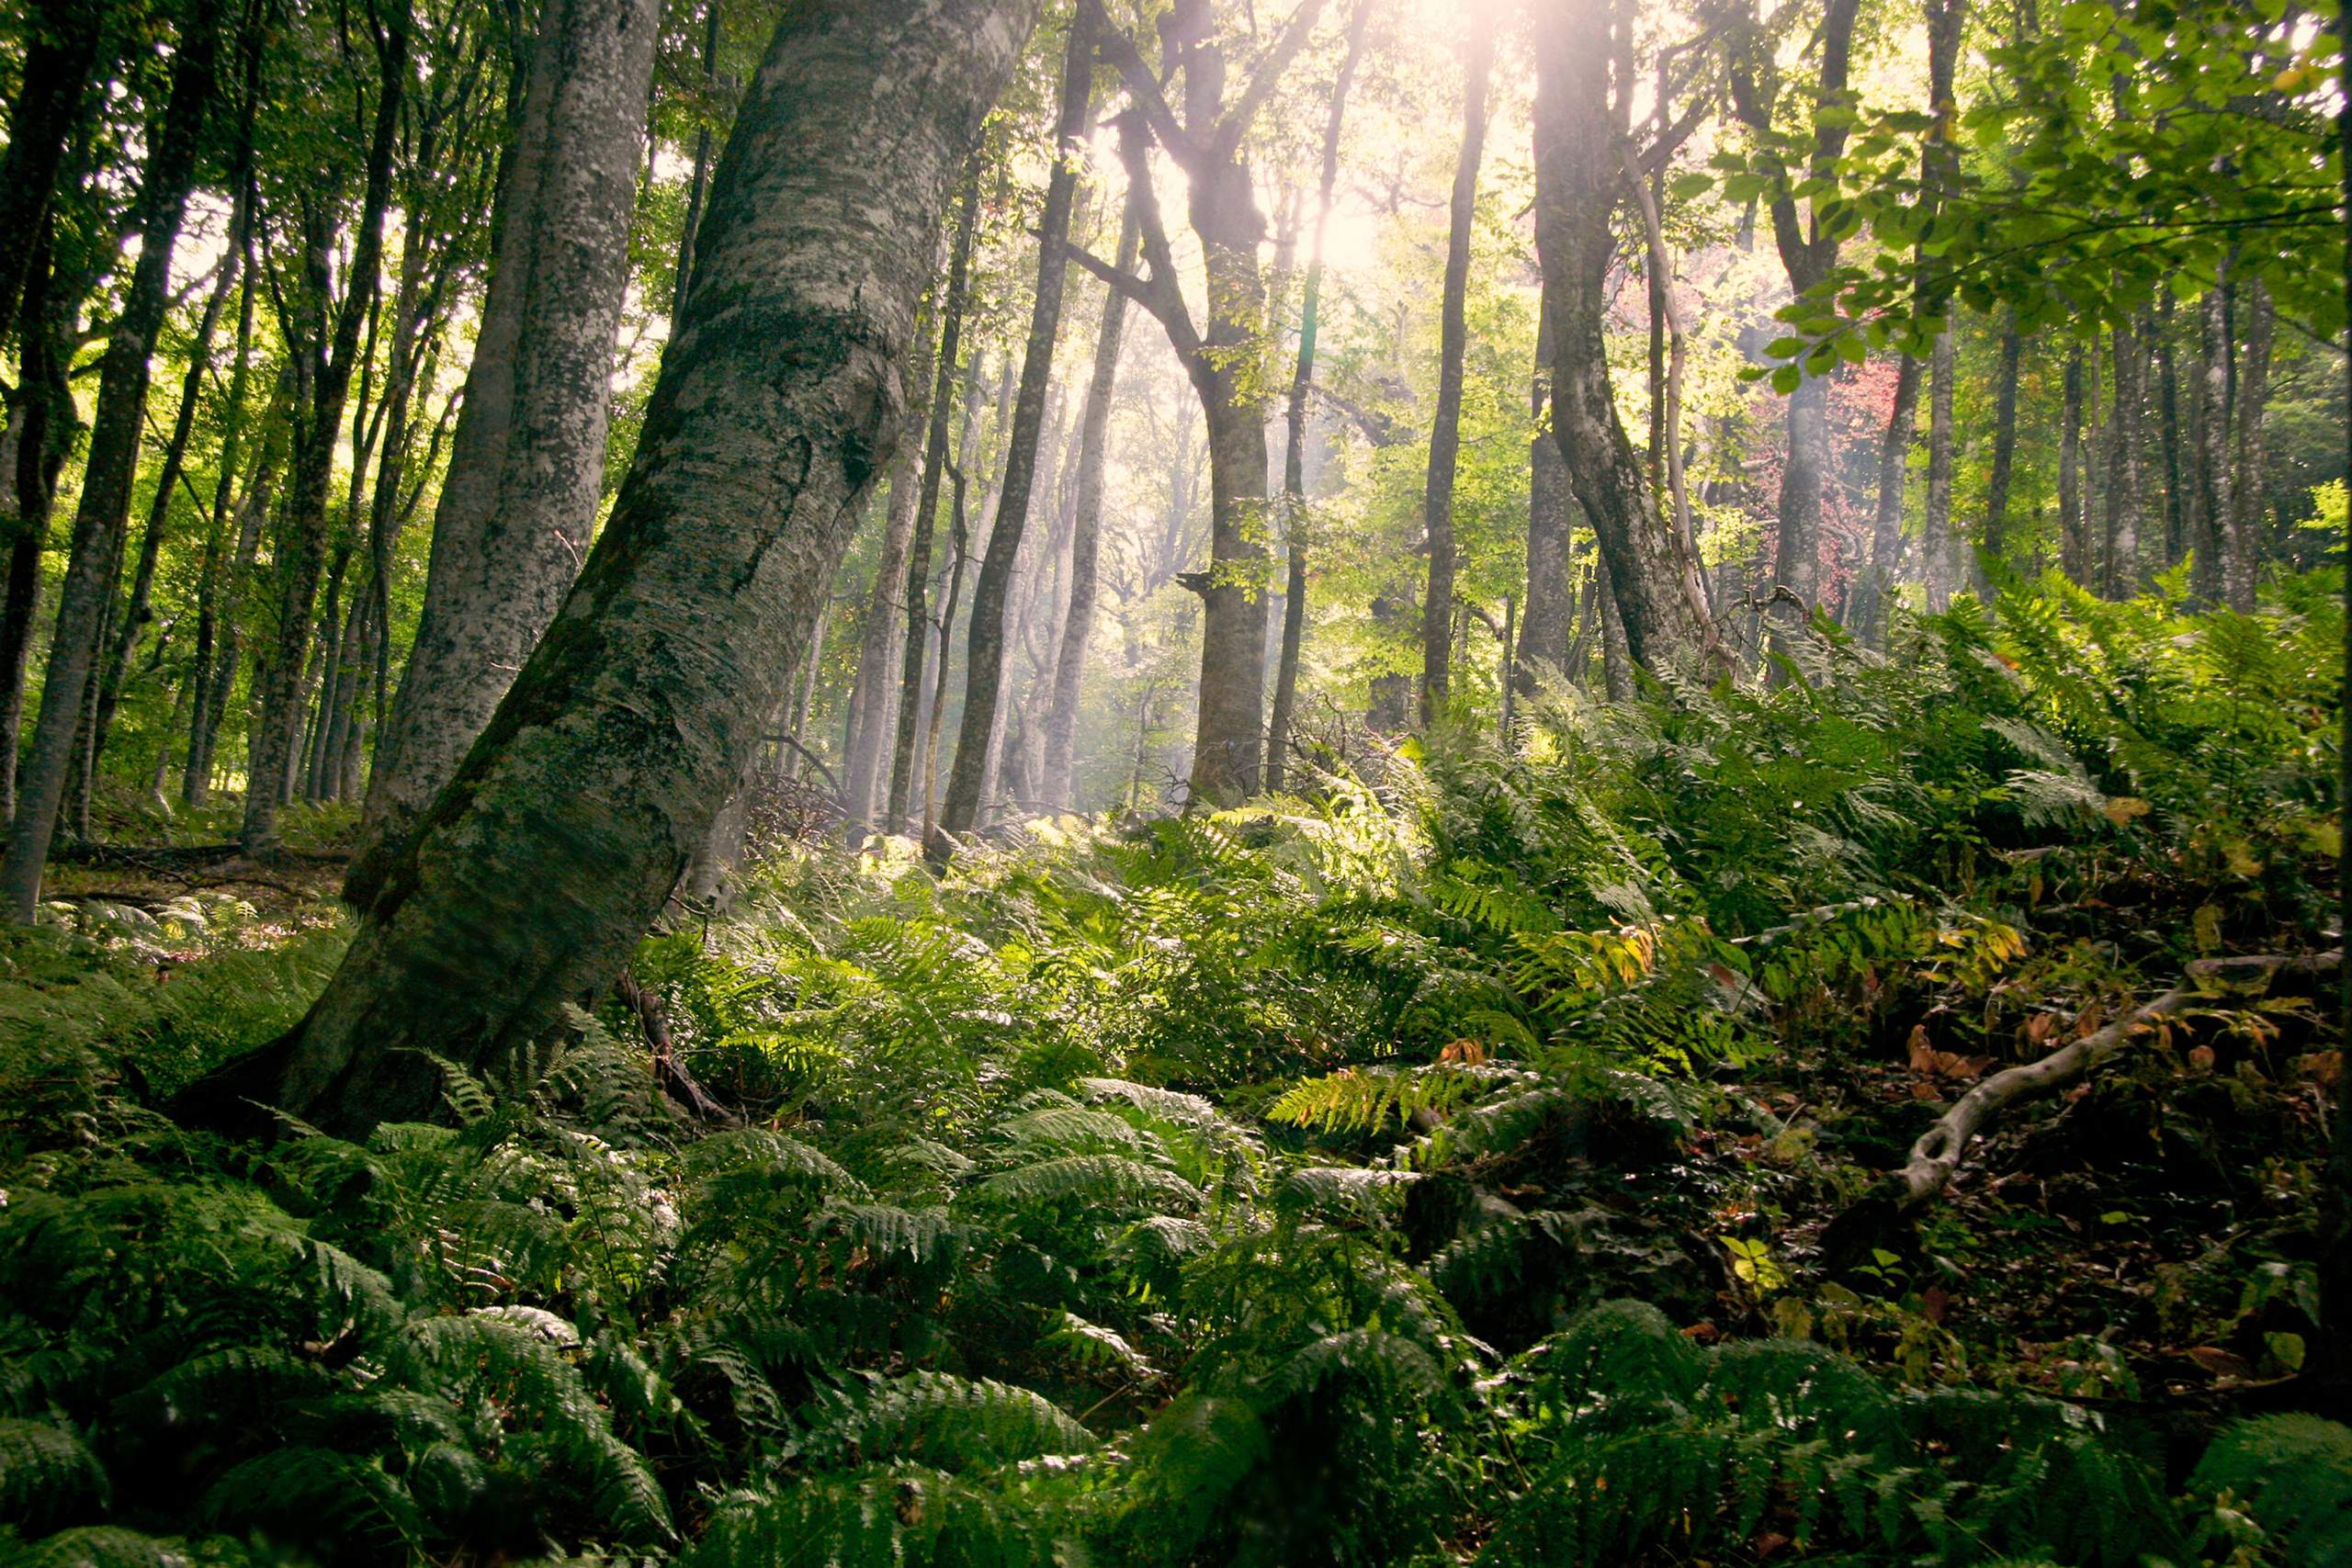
1934 1304
2220 1363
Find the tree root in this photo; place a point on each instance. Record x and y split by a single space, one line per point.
1868 1222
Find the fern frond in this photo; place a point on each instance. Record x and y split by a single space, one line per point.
2293 1472
939 1419
1104 1181
45 1473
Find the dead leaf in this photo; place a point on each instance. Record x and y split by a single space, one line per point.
1934 1304
2200 1059
2325 1068
1469 1053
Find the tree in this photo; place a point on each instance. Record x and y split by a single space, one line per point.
1580 124
971 784
537 868
520 498
102 520
1445 430
1223 360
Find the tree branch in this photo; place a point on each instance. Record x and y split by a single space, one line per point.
1143 87
1234 125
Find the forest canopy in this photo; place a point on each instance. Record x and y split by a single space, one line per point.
1191 782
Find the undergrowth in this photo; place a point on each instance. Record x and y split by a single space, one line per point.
1409 1171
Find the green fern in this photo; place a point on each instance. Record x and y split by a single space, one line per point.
2294 1474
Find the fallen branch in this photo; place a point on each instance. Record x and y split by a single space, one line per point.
675 1081
1936 1158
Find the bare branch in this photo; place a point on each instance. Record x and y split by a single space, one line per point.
1263 82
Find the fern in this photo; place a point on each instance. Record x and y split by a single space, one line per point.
46 1473
945 1421
2293 1472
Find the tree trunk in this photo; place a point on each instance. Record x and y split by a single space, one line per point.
2216 515
700 185
1453 332
912 691
1551 516
2120 575
1297 531
1653 579
60 53
536 871
971 783
1994 541
2072 537
46 404
1058 787
251 513
103 516
1873 595
1939 547
2179 509
528 461
2241 546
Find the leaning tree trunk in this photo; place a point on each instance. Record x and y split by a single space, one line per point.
1445 430
102 517
1577 174
528 458
525 886
1085 541
971 783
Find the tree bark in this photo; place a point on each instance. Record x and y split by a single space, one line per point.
527 462
2216 513
1453 332
971 782
103 516
1086 534
45 402
536 871
1579 174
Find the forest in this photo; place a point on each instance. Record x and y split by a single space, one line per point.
1191 784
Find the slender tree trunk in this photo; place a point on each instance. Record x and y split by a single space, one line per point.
1874 592
2216 512
1453 332
528 458
251 513
325 368
1086 534
881 651
537 870
699 187
104 514
918 649
971 783
2073 537
1616 652
2241 546
2120 558
2179 506
1994 541
1297 530
1551 515
1651 578
1941 547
